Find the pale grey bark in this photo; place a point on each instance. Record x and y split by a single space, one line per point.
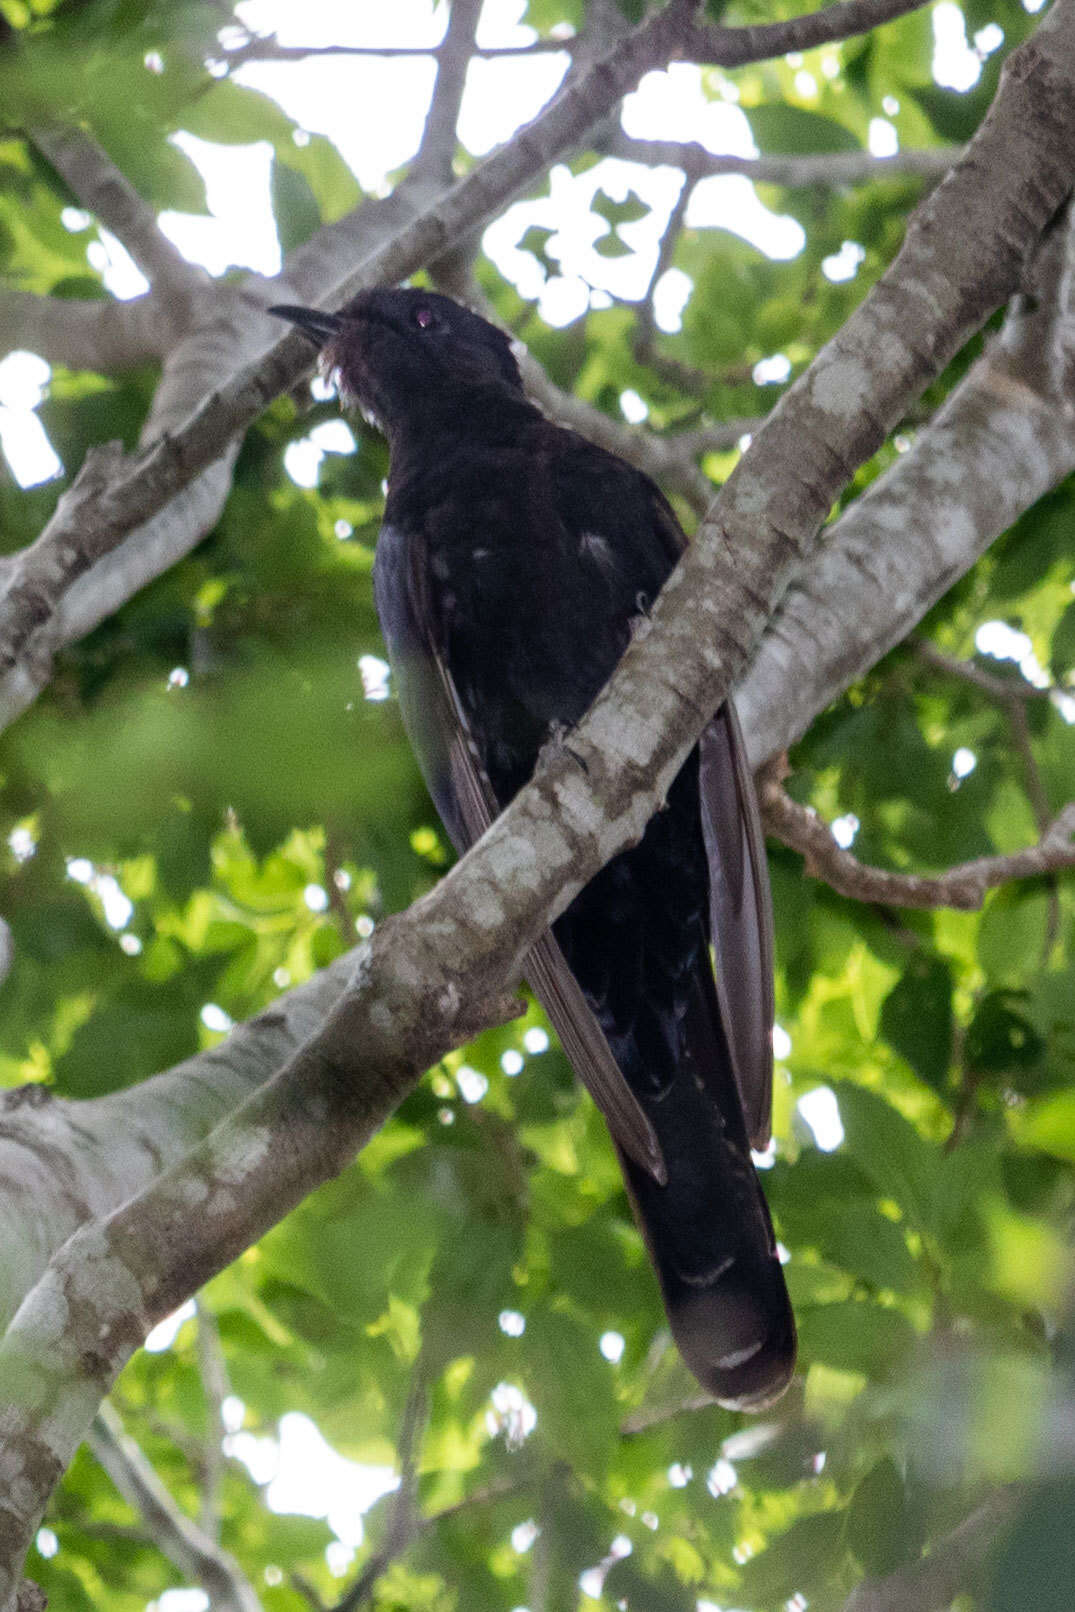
99 335
427 979
1003 439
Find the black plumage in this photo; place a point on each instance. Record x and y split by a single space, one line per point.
513 559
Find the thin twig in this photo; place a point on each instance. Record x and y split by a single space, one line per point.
829 168
1004 689
175 1535
735 47
214 1375
963 886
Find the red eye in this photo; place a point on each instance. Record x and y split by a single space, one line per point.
423 318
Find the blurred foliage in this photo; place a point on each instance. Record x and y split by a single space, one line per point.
205 807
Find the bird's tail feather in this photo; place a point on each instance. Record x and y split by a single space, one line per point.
708 1229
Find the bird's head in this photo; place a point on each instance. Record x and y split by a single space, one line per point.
394 354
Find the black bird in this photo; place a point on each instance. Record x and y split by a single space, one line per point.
513 559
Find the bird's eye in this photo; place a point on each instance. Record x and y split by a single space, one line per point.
424 318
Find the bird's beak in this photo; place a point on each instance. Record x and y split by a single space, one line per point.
319 327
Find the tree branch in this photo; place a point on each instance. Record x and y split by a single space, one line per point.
176 1535
437 148
109 195
1010 430
963 886
103 335
735 47
827 168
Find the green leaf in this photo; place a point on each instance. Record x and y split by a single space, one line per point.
916 1018
779 129
889 1150
294 206
880 1528
801 1561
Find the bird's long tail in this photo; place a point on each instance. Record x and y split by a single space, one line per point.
708 1229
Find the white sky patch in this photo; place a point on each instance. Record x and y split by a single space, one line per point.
306 1477
771 371
670 296
512 1323
536 1040
844 264
240 230
47 1543
511 1062
955 65
117 268
21 843
633 407
764 1158
184 1600
611 1345
721 1478
118 908
178 677
510 1413
215 1018
729 201
1002 642
964 762
882 138
844 829
165 1332
302 461
502 94
781 1042
232 1412
27 449
376 675
371 107
315 897
523 1536
24 377
333 436
821 1112
679 1475
472 1083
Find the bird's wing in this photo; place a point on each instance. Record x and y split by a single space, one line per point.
436 723
740 915
740 904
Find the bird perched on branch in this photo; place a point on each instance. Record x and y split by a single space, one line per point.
513 559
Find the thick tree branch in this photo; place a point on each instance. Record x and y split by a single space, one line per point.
104 191
425 975
103 335
176 1535
963 886
1003 439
